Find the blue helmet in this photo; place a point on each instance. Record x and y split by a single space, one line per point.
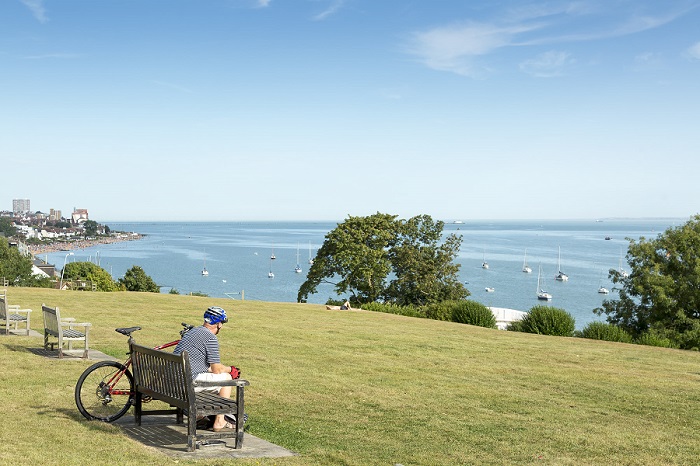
214 315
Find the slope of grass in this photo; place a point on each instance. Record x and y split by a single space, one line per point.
369 388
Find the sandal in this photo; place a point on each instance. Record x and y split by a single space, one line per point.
227 427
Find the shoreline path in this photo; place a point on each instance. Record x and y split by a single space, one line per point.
55 246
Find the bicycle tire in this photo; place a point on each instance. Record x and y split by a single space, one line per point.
91 395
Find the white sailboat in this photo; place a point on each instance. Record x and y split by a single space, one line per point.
526 268
601 288
542 294
270 274
205 272
272 256
484 264
311 260
561 276
297 269
622 271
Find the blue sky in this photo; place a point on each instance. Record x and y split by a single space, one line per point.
320 109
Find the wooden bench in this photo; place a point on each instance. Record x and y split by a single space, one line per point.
12 315
54 327
167 377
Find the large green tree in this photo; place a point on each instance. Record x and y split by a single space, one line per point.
661 295
135 279
6 227
93 273
380 257
15 267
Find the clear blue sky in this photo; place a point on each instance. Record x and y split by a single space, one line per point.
319 109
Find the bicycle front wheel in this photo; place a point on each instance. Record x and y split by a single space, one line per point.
105 391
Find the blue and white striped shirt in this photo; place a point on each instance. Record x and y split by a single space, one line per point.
202 346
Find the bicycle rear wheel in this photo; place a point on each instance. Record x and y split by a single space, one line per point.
104 392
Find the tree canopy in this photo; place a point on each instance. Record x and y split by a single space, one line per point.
661 295
91 272
383 258
135 279
14 266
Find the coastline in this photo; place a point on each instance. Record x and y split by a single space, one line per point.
55 246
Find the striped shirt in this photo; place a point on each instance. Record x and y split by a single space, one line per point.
202 346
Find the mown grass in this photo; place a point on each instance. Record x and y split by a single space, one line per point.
362 388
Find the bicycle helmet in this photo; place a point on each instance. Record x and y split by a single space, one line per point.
214 315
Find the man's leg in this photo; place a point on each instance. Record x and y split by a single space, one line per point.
220 421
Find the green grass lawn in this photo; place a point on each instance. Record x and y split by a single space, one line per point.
362 388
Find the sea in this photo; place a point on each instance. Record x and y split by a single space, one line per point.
237 256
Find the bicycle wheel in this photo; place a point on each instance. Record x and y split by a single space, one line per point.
104 392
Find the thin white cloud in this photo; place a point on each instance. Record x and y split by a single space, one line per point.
264 3
334 6
463 48
37 9
694 51
548 65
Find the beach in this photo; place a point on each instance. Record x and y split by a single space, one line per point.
70 245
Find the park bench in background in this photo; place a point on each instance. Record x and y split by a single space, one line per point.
64 330
12 315
167 377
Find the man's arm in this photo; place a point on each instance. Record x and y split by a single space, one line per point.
218 368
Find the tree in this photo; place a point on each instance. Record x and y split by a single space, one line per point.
91 272
661 295
6 228
90 228
135 279
423 266
14 267
360 254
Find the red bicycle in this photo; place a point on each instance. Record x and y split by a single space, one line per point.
105 390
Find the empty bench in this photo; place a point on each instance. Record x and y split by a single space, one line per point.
63 329
12 315
167 377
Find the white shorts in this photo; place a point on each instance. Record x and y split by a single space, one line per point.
211 377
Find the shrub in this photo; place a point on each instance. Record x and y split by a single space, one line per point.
547 320
389 308
605 331
473 313
652 339
440 311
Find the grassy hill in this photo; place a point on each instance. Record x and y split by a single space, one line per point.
360 388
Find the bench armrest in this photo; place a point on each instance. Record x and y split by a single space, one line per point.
227 383
67 319
15 308
72 324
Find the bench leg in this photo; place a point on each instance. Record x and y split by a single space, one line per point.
240 416
191 430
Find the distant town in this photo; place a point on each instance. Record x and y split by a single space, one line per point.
39 232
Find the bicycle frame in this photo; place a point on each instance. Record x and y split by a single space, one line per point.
118 375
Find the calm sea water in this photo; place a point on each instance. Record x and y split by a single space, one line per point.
237 257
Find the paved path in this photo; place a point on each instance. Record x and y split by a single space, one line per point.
161 432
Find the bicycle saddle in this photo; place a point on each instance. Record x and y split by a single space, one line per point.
127 330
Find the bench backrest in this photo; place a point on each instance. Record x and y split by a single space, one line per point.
3 307
163 376
52 317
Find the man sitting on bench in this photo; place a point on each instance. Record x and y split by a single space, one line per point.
203 347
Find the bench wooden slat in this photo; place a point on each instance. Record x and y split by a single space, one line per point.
167 377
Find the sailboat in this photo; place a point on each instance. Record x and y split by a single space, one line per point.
526 268
311 261
270 274
622 271
297 269
205 272
272 256
601 288
561 276
542 294
484 264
